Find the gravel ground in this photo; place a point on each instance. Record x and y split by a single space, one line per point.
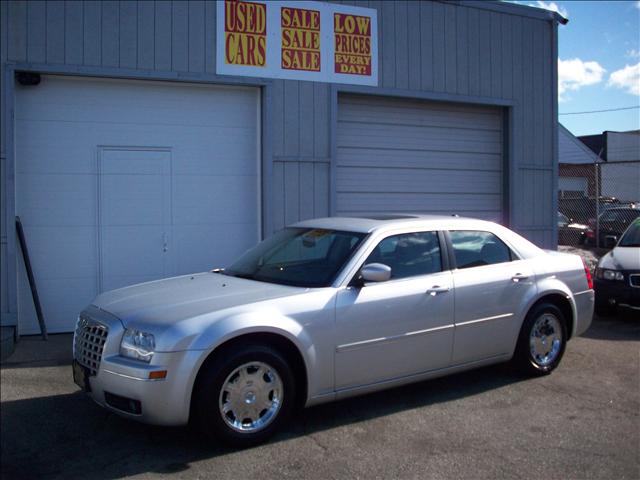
583 421
590 255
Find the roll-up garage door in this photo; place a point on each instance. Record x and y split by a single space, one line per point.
397 155
120 182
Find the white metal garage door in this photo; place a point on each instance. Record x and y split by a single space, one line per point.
397 155
119 182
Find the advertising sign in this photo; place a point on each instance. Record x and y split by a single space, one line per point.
352 44
297 40
245 33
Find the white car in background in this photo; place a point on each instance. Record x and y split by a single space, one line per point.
327 309
617 282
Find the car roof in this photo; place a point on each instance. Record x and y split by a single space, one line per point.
626 207
393 221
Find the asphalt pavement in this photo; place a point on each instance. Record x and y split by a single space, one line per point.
583 421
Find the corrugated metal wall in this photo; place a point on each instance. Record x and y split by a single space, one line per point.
458 49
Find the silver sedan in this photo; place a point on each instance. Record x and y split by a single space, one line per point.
327 309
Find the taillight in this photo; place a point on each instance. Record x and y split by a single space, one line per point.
587 273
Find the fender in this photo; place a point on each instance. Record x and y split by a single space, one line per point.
237 325
552 285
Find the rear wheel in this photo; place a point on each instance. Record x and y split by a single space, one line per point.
542 340
243 398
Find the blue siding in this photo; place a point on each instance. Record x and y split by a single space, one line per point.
128 17
73 33
92 34
36 24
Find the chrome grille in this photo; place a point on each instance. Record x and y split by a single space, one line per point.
88 343
634 280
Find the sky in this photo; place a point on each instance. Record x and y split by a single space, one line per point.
598 64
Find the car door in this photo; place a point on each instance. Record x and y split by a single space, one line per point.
491 284
399 327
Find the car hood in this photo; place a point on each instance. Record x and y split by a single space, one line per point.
622 258
166 302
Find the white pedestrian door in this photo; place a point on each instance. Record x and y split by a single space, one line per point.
134 216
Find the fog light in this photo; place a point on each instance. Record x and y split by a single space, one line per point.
124 404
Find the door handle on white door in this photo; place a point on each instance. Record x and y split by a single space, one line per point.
165 243
436 289
519 277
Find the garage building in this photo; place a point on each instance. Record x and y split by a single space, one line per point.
129 157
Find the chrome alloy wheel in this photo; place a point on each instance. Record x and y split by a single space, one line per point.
251 397
545 340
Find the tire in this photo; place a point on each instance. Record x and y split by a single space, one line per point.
535 355
250 381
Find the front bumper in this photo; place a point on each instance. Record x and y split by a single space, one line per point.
617 293
161 402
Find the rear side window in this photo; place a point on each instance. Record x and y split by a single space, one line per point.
409 254
475 249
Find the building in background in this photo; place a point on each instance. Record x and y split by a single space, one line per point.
146 139
576 172
620 172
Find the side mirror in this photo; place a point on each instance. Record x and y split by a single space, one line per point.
610 241
375 272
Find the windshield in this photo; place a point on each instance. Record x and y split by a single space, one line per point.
302 257
620 215
631 238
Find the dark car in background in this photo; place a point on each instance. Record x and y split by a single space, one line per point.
611 224
582 209
569 232
617 279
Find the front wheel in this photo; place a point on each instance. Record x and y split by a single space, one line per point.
542 340
243 397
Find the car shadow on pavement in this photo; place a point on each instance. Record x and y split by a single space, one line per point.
68 436
625 325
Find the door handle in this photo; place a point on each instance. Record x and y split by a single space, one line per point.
436 289
519 277
165 243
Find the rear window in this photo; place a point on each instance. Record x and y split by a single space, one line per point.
476 249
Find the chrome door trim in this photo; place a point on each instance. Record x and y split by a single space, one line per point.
486 319
580 293
374 341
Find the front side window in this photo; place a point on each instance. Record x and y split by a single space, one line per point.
409 254
475 249
301 257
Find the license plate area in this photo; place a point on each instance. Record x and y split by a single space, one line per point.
81 376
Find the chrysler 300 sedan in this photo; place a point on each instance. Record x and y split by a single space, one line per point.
326 309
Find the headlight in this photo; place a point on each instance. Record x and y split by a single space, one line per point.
138 345
609 274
